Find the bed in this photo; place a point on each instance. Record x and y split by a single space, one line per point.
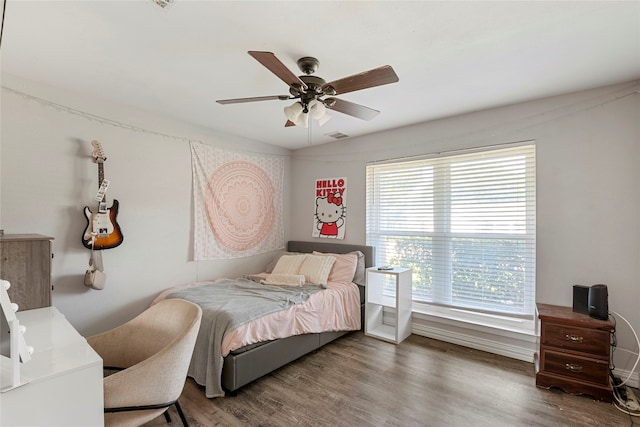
227 364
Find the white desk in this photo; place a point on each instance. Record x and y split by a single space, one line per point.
65 376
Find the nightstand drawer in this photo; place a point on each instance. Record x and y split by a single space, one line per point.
575 367
592 341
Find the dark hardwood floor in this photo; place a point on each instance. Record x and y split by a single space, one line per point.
360 381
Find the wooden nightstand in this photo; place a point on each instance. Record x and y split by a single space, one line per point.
575 351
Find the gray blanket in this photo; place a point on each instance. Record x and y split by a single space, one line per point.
227 304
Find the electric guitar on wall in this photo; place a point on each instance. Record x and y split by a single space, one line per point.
103 231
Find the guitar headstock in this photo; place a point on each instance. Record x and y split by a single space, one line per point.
98 153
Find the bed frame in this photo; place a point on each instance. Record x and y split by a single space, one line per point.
251 362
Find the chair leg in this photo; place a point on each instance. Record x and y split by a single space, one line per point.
167 417
182 417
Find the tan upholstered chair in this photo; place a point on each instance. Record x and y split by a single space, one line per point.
151 354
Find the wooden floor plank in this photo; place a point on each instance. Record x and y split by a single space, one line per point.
360 381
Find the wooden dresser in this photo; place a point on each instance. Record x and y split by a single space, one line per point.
575 352
25 261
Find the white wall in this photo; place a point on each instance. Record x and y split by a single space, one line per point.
48 176
588 152
588 202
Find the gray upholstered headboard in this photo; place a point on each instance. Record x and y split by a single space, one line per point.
337 248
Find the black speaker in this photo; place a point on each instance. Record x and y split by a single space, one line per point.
581 299
599 302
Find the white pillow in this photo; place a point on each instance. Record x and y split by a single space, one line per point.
344 269
289 264
269 268
284 279
316 268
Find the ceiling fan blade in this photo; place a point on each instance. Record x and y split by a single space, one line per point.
351 109
289 124
376 77
253 99
274 65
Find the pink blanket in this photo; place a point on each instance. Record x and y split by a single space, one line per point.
337 308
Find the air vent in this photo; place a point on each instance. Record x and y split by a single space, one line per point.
162 3
337 135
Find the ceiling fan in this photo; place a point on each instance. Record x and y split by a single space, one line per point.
314 95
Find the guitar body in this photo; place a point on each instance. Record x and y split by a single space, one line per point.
105 225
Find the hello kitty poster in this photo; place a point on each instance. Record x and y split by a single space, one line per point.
330 208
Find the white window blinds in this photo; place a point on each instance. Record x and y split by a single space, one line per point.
465 224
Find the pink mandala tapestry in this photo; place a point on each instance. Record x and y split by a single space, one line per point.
239 205
237 201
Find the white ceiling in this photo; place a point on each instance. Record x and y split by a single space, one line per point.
451 57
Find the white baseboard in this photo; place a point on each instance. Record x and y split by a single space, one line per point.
504 346
520 346
634 379
512 350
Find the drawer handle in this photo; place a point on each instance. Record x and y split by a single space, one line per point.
574 338
573 367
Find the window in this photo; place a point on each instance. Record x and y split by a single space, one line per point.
465 224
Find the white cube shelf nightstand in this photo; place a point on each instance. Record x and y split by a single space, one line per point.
388 288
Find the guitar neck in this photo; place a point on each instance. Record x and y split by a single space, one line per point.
101 176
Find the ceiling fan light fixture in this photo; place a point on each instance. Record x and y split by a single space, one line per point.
329 90
324 119
310 89
302 121
293 111
329 102
298 114
318 111
296 89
